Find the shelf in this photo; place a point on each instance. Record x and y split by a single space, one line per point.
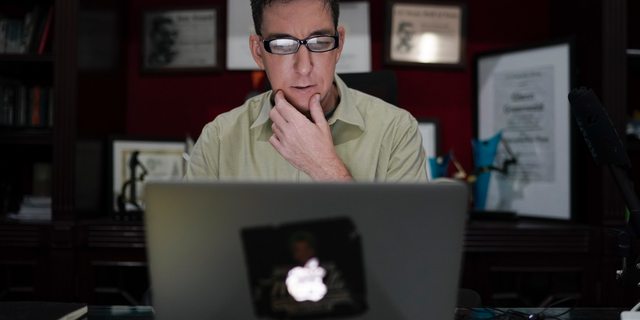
31 57
26 135
27 67
633 59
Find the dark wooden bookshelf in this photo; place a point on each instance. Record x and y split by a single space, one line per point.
28 68
26 135
633 60
31 57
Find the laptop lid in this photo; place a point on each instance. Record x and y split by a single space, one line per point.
258 250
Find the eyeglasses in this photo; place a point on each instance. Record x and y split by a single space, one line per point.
288 46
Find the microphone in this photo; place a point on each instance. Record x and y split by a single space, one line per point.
597 129
606 148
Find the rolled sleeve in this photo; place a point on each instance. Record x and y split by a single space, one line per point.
407 162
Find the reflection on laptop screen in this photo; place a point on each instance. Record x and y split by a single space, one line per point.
305 269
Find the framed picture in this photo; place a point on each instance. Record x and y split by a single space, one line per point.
181 39
135 161
430 130
426 34
521 102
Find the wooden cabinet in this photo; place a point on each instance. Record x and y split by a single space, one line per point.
531 263
111 263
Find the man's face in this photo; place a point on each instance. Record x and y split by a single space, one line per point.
165 36
303 251
302 74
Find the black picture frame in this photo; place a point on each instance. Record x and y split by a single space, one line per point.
452 60
181 40
556 53
163 151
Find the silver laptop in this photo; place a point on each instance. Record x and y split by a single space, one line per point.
302 251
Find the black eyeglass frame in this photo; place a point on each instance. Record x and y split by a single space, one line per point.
336 39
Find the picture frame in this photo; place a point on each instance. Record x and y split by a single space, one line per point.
522 93
430 130
154 159
427 34
181 39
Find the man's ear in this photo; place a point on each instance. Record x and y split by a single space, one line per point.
255 43
341 33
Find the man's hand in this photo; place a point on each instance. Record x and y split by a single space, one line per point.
308 146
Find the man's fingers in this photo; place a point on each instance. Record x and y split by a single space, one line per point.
276 143
317 114
279 97
277 117
288 111
276 131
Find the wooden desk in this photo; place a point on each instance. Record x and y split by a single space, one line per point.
125 312
510 263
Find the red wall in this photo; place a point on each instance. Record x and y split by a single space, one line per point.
176 105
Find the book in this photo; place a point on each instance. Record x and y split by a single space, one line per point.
8 105
44 106
41 310
33 208
1 104
44 31
21 104
50 107
13 36
30 29
3 32
34 108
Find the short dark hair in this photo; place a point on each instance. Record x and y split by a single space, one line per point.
257 9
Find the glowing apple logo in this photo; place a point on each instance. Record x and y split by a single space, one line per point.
305 283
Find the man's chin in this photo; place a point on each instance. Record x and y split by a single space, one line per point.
301 105
304 110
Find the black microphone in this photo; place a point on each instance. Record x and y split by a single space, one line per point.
597 129
605 146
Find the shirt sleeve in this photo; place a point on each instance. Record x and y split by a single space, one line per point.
203 161
407 162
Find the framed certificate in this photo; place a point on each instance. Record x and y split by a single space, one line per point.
136 161
521 98
425 34
181 39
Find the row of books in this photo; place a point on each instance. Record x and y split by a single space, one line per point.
26 35
22 106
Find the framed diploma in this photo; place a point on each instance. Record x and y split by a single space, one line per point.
425 34
136 161
522 107
181 39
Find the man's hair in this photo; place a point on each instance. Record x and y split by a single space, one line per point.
303 235
257 9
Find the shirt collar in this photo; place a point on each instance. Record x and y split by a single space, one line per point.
346 110
263 116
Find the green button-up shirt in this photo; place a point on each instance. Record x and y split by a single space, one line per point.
376 141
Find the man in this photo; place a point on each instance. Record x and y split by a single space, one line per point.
310 127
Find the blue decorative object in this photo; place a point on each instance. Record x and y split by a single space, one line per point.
439 165
484 154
